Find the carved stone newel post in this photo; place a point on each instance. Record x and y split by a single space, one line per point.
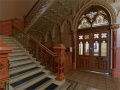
59 59
4 50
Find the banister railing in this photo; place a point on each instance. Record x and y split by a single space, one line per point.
39 51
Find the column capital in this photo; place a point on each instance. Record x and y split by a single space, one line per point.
115 26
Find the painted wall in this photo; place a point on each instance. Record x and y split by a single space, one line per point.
15 8
11 9
6 26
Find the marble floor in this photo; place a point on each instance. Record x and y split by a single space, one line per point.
93 81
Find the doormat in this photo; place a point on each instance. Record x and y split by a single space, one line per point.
69 85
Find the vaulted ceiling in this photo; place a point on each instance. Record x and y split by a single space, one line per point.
56 12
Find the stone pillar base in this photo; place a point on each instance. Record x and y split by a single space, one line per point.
116 73
60 77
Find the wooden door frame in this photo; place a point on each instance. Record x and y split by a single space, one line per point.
96 29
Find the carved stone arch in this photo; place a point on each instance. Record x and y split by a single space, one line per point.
79 5
48 39
53 29
112 12
56 30
67 34
64 22
42 40
46 36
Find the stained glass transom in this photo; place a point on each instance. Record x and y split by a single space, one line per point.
100 21
84 24
93 19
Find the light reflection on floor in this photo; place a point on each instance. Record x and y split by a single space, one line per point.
93 81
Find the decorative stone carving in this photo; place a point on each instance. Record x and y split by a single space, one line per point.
114 27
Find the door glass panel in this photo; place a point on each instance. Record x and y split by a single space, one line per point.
87 48
86 36
80 37
103 48
80 48
96 36
104 35
96 48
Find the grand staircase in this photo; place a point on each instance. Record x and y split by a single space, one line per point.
25 72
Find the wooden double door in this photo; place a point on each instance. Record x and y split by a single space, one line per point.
93 49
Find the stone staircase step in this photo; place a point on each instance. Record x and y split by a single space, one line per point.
20 62
14 48
10 43
21 72
19 50
13 45
24 75
17 83
25 72
32 81
15 67
46 83
18 57
51 87
22 68
17 54
6 37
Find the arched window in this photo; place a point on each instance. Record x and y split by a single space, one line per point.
92 18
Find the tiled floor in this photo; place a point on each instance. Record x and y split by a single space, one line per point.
93 81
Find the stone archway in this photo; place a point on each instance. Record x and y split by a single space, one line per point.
111 11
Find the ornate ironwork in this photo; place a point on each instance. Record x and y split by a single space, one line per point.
39 51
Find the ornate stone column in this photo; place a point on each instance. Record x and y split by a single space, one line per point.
115 60
75 46
59 59
4 50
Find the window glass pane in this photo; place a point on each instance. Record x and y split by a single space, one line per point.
104 35
86 36
103 48
87 48
96 48
80 37
84 24
80 48
100 21
96 36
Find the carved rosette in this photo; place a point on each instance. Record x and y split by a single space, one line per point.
115 27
